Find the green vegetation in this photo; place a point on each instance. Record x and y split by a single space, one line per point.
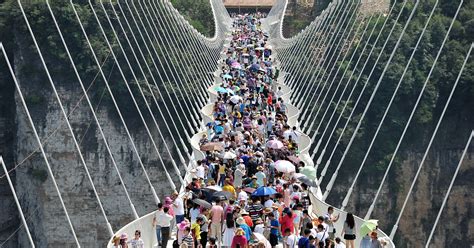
198 13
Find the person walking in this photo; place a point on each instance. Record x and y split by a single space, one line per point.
157 222
164 220
217 220
348 231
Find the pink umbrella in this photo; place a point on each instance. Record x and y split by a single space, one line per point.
275 144
284 166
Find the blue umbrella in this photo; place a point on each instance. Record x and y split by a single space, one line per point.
264 191
220 89
227 76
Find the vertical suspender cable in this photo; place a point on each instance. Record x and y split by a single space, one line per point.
63 111
349 192
374 92
92 110
40 145
427 244
369 212
22 216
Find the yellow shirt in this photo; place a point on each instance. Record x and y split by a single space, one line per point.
196 228
229 188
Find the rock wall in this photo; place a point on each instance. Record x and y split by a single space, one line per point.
46 218
455 225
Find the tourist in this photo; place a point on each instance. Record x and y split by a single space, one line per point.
374 242
196 231
275 229
158 221
116 242
164 221
348 231
331 219
136 242
188 240
239 240
303 242
229 231
339 244
217 220
178 207
123 240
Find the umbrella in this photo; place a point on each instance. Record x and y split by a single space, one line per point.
220 89
255 67
202 203
235 99
212 146
304 179
227 76
294 159
228 155
309 172
245 54
262 238
222 195
264 191
368 226
214 188
249 190
235 88
230 91
275 144
284 166
260 48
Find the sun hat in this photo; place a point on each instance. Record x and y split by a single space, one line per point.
115 239
267 210
182 225
124 236
240 221
243 212
239 232
168 200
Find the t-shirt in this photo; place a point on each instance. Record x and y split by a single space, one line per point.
136 243
205 226
303 242
162 219
260 176
200 171
322 236
259 228
274 223
238 174
196 229
194 213
217 212
292 241
178 206
268 203
188 240
254 211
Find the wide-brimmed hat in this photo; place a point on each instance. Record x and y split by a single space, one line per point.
182 225
243 212
168 200
123 236
115 239
267 210
240 221
239 232
260 168
275 206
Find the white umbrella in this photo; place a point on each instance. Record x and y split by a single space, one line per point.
229 155
262 238
275 144
284 166
214 187
235 99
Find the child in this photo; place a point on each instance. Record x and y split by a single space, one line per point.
274 229
187 241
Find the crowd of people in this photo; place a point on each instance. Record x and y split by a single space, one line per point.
251 189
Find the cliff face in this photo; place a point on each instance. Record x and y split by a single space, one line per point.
455 225
39 199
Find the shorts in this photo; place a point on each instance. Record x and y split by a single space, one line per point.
273 239
349 236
